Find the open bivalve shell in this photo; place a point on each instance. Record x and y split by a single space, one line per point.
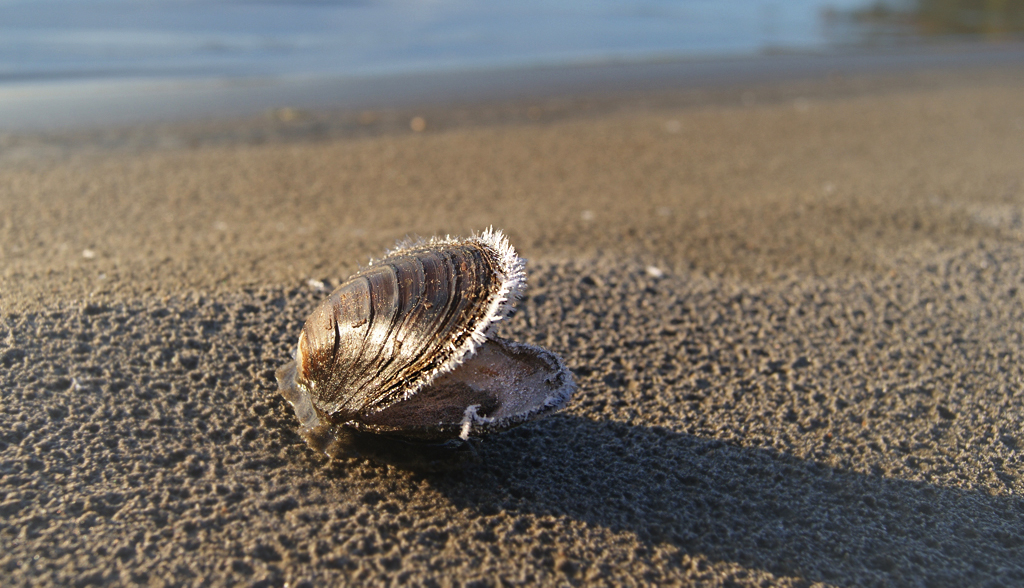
405 348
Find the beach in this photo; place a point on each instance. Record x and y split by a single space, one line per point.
793 312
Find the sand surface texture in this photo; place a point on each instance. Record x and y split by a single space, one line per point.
796 327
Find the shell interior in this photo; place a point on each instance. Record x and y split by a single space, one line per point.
503 384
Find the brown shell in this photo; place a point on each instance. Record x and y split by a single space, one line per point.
404 348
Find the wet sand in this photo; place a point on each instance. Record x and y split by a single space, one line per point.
794 315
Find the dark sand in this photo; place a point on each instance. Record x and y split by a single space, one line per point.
795 318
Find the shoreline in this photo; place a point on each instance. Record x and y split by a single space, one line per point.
88 105
290 125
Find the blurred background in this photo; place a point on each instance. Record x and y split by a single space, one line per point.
56 55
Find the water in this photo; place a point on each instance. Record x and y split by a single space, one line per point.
75 63
106 39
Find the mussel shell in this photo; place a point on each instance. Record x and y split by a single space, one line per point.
403 348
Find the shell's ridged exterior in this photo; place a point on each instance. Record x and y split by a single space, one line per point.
404 348
389 328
